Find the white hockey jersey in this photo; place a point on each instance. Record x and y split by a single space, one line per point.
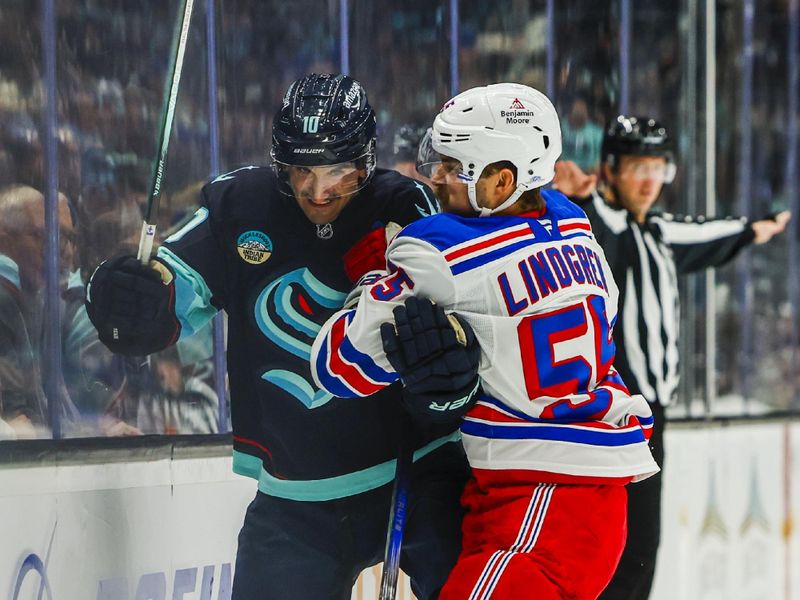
540 297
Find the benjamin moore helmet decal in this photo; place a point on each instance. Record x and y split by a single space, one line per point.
292 330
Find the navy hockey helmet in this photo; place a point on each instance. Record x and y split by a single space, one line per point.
324 120
635 136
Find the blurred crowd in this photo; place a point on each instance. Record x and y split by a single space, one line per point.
111 60
667 82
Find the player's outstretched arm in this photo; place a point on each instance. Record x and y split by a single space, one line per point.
436 356
132 306
700 242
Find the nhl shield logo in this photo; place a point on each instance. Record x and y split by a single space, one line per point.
254 247
325 232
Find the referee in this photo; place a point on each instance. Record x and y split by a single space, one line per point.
647 250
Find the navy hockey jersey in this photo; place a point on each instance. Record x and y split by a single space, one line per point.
540 297
250 251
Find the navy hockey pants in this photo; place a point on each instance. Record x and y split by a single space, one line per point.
634 575
290 550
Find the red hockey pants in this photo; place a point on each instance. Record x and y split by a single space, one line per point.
538 542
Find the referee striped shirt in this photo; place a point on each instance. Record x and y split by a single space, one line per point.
646 260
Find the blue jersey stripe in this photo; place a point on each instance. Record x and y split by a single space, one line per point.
553 433
329 381
570 236
644 421
482 259
368 366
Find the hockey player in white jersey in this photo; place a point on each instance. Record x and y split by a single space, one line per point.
555 436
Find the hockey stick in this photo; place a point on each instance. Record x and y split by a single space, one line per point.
397 518
402 483
167 116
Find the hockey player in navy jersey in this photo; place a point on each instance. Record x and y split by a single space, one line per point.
555 435
278 249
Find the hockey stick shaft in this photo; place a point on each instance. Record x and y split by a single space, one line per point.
167 116
402 484
397 519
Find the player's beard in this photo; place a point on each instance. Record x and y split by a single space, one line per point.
452 201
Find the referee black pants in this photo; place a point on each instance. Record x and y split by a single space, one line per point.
634 576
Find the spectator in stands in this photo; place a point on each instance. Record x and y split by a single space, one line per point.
20 138
22 402
581 137
106 388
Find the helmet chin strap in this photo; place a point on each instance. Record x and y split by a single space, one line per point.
485 212
473 200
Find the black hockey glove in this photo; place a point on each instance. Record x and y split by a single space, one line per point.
133 306
437 358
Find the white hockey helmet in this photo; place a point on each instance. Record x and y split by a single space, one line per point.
500 122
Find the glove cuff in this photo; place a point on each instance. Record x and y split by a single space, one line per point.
446 406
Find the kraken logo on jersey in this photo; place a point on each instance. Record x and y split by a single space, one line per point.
282 312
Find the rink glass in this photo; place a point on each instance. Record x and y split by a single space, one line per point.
739 327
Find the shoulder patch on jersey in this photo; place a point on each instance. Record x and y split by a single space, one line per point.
254 247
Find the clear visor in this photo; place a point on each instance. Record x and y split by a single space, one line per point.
323 182
439 169
661 172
